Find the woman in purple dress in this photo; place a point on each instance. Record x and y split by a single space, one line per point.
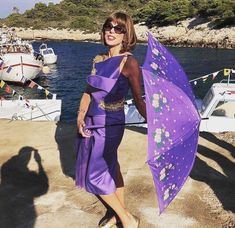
102 112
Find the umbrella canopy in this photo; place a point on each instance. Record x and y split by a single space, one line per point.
173 121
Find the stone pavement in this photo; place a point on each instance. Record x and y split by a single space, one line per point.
37 181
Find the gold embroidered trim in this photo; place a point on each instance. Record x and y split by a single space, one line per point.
97 59
93 71
112 106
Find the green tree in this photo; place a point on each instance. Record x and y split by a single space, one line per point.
158 12
15 20
82 22
93 3
40 6
222 12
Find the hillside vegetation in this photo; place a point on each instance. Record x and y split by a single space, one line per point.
90 14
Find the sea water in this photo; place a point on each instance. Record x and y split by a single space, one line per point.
68 77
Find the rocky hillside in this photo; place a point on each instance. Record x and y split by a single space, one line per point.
90 14
180 22
191 32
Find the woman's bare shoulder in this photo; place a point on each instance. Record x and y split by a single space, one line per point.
131 62
131 66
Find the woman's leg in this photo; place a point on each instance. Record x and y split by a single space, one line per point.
120 187
113 219
127 220
120 195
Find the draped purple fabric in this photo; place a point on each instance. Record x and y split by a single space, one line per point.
173 122
97 163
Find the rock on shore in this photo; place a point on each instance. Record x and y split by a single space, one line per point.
191 32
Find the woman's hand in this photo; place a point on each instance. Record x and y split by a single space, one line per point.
84 104
81 128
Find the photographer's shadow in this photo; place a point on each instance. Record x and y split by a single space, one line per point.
65 137
19 186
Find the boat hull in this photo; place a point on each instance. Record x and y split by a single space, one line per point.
218 120
17 65
49 56
217 124
49 59
33 110
132 116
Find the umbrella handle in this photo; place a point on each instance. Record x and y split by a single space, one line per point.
111 125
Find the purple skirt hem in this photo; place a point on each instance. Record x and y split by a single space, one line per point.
96 193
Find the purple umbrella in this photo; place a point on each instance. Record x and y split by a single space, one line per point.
173 122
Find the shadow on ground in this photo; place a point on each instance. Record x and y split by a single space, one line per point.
19 186
212 138
141 130
65 137
221 184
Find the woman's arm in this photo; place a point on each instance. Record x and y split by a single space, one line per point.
83 107
132 71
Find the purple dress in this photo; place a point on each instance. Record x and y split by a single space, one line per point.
97 163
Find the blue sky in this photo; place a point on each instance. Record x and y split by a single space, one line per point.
7 5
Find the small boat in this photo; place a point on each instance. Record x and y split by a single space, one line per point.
217 109
19 62
49 56
31 109
15 106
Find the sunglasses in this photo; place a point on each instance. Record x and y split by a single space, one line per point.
107 27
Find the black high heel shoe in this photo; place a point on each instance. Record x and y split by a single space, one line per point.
108 223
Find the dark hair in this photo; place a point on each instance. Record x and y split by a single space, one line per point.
124 20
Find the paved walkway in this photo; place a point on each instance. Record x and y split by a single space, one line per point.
37 187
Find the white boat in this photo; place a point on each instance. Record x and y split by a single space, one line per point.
132 116
217 109
49 56
25 108
33 110
19 62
